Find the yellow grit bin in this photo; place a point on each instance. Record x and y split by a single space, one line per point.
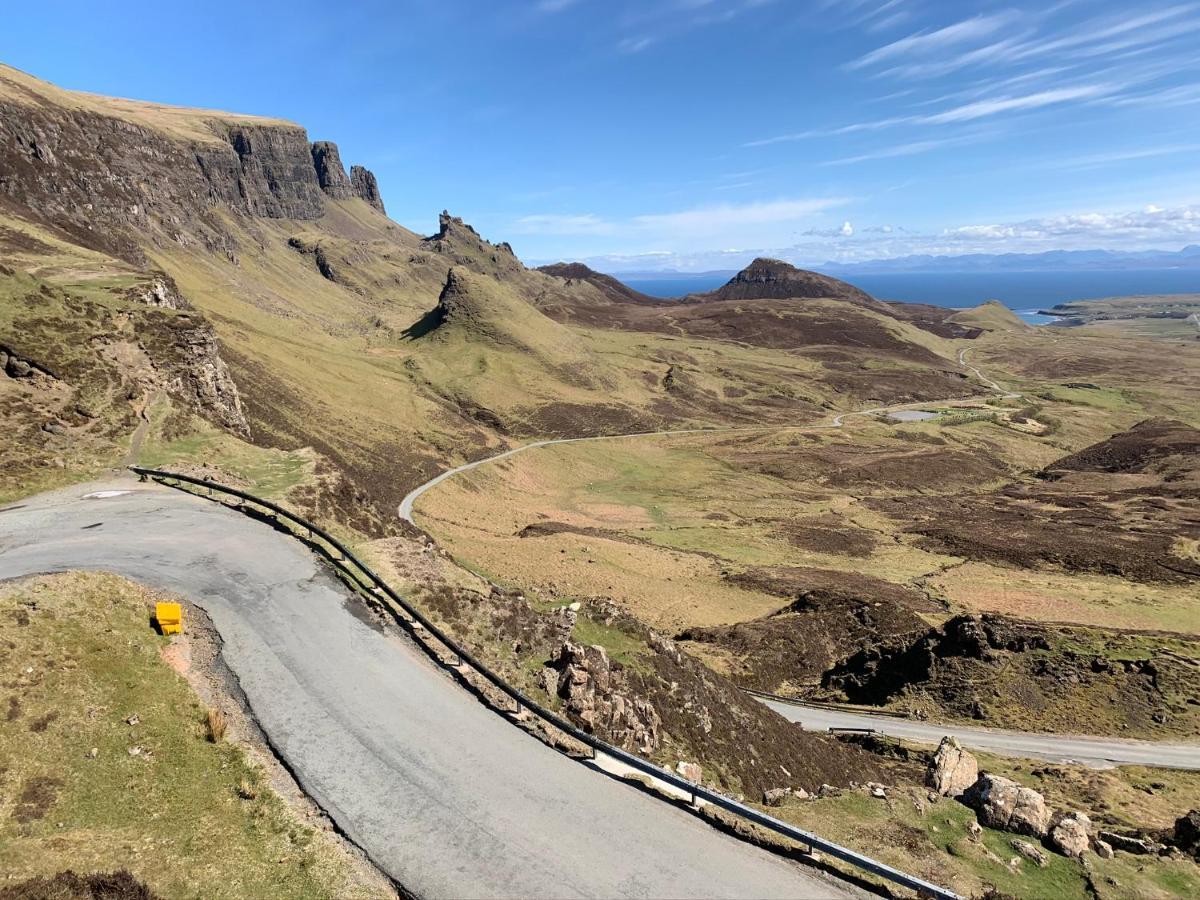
169 617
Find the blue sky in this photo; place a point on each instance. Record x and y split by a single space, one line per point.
695 133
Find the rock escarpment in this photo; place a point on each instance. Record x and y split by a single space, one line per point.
112 179
365 187
331 175
187 355
596 695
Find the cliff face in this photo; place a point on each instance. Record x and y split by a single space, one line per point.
366 187
108 180
330 173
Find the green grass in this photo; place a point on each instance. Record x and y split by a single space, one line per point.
620 646
80 660
269 472
932 840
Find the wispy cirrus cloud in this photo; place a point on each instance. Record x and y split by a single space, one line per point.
726 222
923 42
635 44
966 112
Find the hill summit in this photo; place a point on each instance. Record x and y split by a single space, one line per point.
774 279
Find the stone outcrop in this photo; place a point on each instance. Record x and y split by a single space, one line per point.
1005 805
595 695
1030 852
331 175
1072 834
1187 833
160 291
111 182
464 246
366 187
186 352
1130 844
14 365
879 671
952 769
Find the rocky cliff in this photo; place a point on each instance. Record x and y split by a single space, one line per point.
331 175
366 187
111 180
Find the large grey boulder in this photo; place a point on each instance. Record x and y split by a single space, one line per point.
1072 834
1002 803
952 769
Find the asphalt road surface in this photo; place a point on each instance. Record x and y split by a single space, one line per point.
1098 752
444 795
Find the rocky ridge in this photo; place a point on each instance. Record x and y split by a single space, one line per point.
107 179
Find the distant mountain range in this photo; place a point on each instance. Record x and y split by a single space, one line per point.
1050 261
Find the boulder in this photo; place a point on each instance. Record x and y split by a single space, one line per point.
1130 844
1072 834
18 368
1003 804
1187 833
776 796
952 769
690 770
1030 852
1104 849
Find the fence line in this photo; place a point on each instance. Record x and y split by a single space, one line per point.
696 791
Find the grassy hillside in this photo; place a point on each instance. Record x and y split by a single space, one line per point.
990 316
107 764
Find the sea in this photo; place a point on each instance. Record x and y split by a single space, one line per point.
1024 292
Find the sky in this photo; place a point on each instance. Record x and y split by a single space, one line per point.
694 134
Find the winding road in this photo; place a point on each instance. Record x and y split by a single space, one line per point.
1087 750
405 510
1097 752
445 796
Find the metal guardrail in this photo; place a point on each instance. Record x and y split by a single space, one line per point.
696 791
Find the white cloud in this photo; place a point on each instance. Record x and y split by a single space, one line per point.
891 151
1149 227
1150 224
981 108
1097 160
924 42
634 44
746 224
966 112
714 218
587 224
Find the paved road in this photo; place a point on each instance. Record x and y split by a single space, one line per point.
445 796
1098 752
